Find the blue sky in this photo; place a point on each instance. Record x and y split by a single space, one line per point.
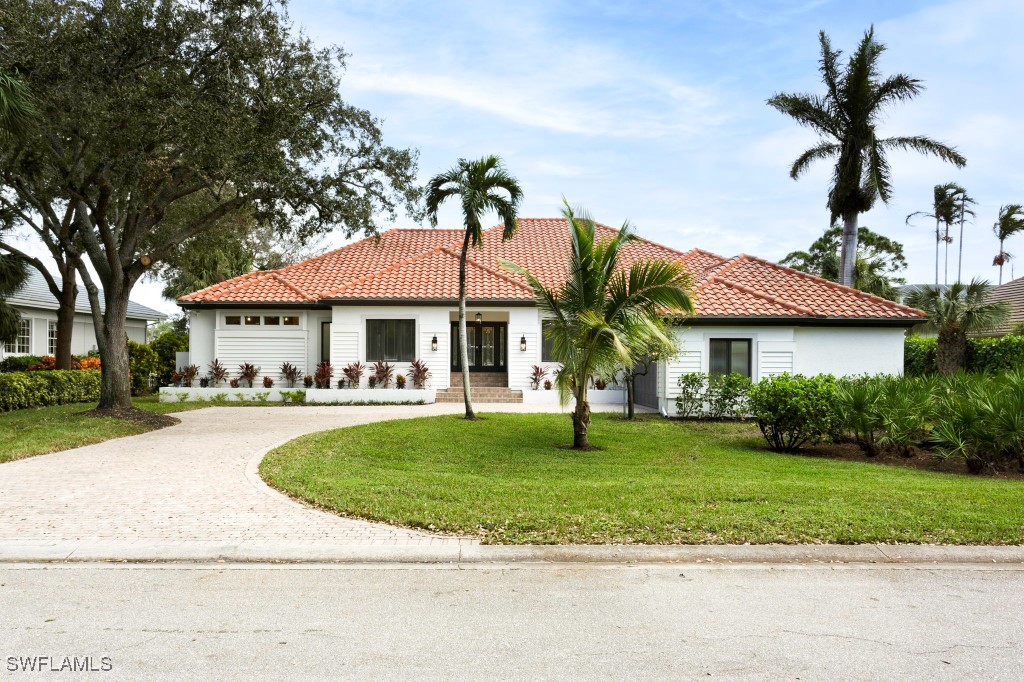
655 111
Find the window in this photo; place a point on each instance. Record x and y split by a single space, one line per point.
233 319
325 342
252 320
291 320
23 342
51 337
390 340
546 354
730 356
271 320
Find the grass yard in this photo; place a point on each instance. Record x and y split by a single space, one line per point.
655 481
39 430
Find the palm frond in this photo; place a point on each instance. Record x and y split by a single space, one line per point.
925 145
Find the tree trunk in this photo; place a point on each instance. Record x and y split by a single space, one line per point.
112 339
848 255
630 397
1000 261
65 318
951 352
463 348
960 258
937 251
945 255
581 417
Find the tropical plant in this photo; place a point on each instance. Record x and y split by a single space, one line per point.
846 117
400 381
482 185
604 316
962 203
1009 223
981 420
353 371
371 382
547 384
290 373
17 110
419 373
537 374
234 383
307 381
857 408
218 372
12 277
188 375
944 211
248 372
383 372
323 374
955 312
876 271
268 382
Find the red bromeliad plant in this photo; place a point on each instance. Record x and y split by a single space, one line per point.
354 373
419 373
323 375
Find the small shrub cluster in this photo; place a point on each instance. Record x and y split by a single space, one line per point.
19 390
537 374
142 363
984 355
36 363
704 396
793 410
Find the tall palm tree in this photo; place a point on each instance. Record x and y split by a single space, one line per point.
956 311
962 201
482 185
16 108
944 212
1009 223
845 118
603 316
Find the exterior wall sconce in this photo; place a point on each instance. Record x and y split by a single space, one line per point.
522 343
479 317
433 343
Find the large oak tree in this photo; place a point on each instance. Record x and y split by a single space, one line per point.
146 103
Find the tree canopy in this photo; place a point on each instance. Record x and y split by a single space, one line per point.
144 103
876 271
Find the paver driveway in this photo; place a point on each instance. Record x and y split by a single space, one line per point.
193 487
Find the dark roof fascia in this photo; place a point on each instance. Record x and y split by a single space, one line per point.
797 321
291 305
483 303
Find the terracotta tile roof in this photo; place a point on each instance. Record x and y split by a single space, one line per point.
422 264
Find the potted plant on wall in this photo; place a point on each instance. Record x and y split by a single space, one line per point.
188 375
323 375
419 373
290 373
537 374
248 373
354 373
384 372
218 373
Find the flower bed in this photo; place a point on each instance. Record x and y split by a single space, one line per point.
340 396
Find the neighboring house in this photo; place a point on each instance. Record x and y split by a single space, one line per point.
395 298
1012 293
38 309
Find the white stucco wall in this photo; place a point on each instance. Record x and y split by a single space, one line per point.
83 334
841 351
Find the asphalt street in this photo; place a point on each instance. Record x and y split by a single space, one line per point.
685 621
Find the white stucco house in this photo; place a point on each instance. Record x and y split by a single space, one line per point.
38 309
394 298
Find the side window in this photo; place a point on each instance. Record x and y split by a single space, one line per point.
546 354
730 356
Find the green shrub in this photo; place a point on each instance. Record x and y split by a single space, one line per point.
980 419
792 410
919 356
984 355
166 346
690 401
1018 329
719 396
142 361
19 390
19 363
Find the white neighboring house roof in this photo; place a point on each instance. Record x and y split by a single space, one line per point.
36 294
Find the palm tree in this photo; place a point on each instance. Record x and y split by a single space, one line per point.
482 186
956 311
16 108
962 200
845 118
1009 223
944 212
603 317
12 277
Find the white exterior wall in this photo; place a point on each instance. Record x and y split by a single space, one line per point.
841 351
83 334
523 322
201 339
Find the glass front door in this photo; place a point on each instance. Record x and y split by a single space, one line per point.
486 343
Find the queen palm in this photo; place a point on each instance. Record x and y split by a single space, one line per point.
944 210
962 201
482 185
955 312
845 118
1009 223
604 316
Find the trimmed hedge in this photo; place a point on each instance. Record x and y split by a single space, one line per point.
984 355
19 390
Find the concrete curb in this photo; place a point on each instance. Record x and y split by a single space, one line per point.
465 553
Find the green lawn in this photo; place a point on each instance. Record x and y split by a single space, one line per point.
654 481
40 430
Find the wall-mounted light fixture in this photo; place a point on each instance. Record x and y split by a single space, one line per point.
479 317
433 343
522 343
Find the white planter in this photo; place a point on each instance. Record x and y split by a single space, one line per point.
171 394
608 396
370 395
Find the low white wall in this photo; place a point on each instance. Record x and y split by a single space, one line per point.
608 396
370 395
172 394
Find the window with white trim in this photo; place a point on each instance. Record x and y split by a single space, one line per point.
390 340
23 342
730 356
51 337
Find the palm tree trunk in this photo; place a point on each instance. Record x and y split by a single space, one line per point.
951 351
945 248
631 396
936 251
848 255
960 258
463 349
581 416
1000 261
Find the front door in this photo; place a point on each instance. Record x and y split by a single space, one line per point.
486 343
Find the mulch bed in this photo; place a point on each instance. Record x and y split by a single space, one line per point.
919 459
134 414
